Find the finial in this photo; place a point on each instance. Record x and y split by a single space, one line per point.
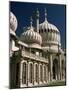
31 20
45 14
37 13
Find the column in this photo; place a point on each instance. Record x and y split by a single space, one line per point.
51 66
43 73
38 73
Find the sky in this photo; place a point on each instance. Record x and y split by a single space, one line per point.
56 14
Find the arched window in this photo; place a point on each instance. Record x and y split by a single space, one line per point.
62 64
45 30
41 30
24 73
41 72
44 73
17 73
36 74
31 71
55 68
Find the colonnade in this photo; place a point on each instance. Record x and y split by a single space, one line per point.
36 73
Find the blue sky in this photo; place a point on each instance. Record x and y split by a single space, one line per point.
56 15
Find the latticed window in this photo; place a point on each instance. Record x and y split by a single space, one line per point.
24 73
31 71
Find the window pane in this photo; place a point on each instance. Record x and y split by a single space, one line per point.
24 73
41 72
36 73
31 68
44 73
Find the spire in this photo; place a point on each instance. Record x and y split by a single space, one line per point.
31 20
37 13
37 20
45 14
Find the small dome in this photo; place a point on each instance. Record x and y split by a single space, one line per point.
30 36
13 22
48 26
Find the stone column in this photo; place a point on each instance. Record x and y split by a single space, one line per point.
43 73
51 66
38 73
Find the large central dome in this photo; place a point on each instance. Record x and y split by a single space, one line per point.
49 32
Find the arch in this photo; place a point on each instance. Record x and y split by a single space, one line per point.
24 73
31 72
55 69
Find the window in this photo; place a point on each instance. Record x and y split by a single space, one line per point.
44 73
45 30
41 72
31 71
36 73
62 64
17 73
24 73
39 30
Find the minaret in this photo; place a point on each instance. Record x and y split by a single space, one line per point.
37 20
31 20
45 14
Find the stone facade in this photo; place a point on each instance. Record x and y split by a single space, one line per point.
35 64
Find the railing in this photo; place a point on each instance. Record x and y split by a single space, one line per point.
33 56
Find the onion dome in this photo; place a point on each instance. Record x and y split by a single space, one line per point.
13 22
49 32
30 36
